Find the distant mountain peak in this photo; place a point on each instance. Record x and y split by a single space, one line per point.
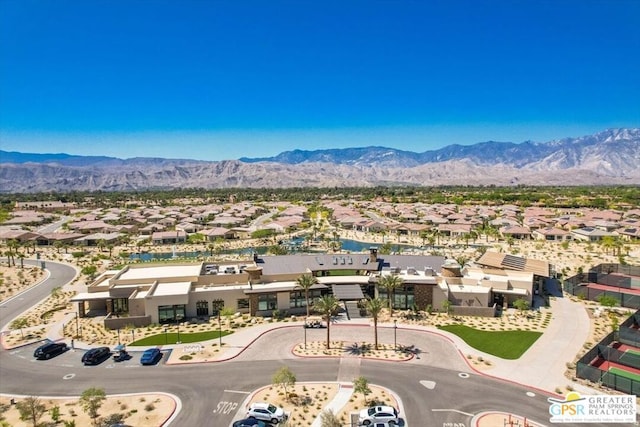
607 157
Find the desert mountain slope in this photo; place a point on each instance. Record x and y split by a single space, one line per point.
609 157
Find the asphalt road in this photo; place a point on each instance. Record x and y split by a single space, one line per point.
212 394
59 275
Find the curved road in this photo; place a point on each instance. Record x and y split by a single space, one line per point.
437 389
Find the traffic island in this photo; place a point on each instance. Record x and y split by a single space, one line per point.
354 349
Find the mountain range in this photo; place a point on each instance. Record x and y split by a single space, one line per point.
609 157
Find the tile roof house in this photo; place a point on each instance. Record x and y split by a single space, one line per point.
168 237
516 232
551 234
591 234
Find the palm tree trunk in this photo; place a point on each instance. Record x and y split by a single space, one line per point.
375 332
328 329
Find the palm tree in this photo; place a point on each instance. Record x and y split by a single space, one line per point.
375 306
327 305
305 282
13 246
607 243
390 282
435 233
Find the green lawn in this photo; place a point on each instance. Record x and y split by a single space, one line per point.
503 344
172 338
625 374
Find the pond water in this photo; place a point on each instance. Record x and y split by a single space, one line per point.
297 245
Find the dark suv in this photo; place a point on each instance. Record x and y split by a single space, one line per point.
96 355
47 351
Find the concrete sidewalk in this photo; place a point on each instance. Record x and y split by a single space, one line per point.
339 401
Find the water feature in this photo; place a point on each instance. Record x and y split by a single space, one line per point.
296 245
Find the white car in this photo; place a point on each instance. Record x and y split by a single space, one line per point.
380 414
267 412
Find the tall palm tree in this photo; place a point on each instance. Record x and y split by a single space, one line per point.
390 282
13 246
375 306
327 305
305 282
435 233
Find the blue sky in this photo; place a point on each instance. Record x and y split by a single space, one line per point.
218 80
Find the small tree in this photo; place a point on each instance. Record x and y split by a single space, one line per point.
446 306
91 401
329 419
615 323
20 323
55 414
31 409
89 271
361 385
521 304
286 378
607 301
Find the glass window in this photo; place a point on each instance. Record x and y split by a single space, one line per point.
217 306
403 297
297 299
267 302
202 308
120 305
171 313
165 313
243 303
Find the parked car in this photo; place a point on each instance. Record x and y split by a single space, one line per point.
267 412
249 422
121 356
150 356
47 351
96 355
381 414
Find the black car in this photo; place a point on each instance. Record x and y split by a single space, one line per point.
249 422
47 351
96 355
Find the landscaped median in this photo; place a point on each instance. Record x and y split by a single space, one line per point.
304 402
353 349
153 409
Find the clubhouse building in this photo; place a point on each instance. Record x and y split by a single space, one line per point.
265 285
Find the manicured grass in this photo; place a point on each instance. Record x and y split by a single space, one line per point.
503 344
172 338
625 374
